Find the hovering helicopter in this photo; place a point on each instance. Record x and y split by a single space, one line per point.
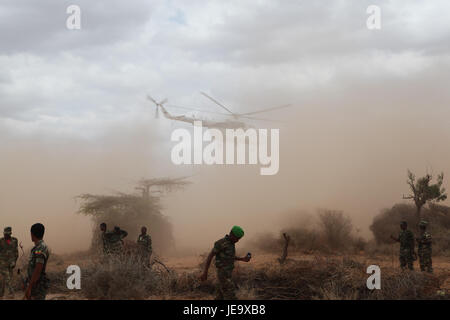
233 123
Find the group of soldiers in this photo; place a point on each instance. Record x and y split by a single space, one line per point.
113 244
36 282
225 252
407 247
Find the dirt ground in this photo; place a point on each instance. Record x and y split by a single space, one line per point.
191 265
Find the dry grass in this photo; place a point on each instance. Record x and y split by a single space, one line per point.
311 278
119 278
334 279
123 278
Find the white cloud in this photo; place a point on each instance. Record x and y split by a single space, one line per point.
252 53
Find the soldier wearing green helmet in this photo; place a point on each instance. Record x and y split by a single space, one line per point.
225 252
424 247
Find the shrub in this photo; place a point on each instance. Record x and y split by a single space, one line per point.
329 232
336 228
119 278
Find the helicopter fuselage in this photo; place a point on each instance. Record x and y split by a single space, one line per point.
228 124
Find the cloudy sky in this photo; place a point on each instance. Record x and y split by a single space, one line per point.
368 104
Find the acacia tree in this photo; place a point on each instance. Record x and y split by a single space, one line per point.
423 191
131 211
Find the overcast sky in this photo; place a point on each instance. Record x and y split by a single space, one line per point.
368 91
248 53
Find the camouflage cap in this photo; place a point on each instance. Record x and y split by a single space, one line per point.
7 230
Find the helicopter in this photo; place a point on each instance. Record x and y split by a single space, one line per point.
233 123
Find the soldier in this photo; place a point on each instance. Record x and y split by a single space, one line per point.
9 252
225 252
104 233
144 242
424 248
406 239
37 280
115 240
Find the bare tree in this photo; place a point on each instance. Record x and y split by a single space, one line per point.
284 255
423 191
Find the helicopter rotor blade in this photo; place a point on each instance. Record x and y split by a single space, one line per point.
218 103
151 99
219 113
198 110
260 119
265 110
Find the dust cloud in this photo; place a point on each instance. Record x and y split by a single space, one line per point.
366 106
347 149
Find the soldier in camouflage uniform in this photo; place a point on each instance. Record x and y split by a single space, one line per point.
144 242
37 281
406 239
115 241
225 252
424 248
9 252
104 232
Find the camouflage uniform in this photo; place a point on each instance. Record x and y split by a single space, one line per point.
105 243
115 241
424 252
39 254
9 253
225 251
406 238
145 247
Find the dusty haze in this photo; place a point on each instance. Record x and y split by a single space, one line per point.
355 162
367 106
